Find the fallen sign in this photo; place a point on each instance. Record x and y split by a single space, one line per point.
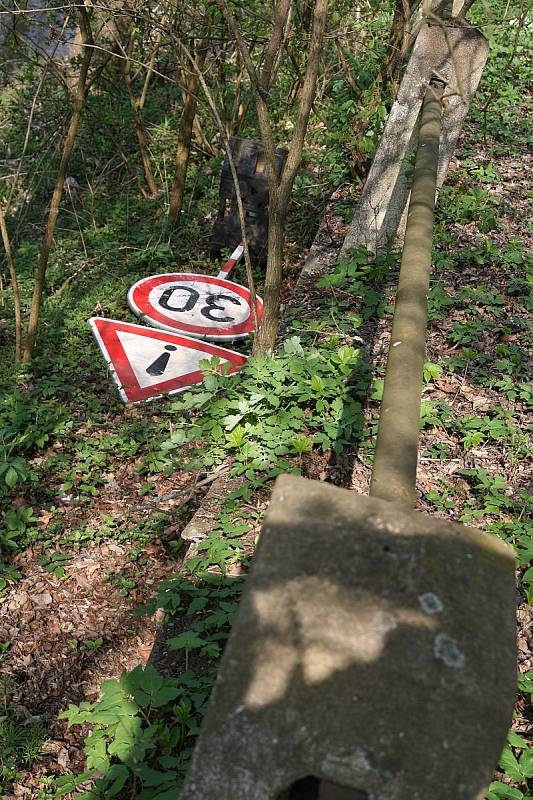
146 363
201 306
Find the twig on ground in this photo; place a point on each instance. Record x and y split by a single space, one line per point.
189 491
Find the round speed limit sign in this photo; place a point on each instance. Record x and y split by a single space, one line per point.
201 306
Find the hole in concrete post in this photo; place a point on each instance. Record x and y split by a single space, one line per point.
311 788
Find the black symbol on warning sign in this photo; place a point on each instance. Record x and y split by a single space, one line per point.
160 364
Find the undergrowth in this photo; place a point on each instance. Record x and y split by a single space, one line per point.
62 427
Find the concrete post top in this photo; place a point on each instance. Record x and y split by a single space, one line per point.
356 652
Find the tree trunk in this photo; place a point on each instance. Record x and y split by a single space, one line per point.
264 341
77 107
279 200
150 70
140 128
279 189
14 286
183 151
398 43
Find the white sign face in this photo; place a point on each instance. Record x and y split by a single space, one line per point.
197 305
201 304
146 363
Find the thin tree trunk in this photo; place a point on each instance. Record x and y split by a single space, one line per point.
150 70
279 189
237 113
268 73
140 128
399 41
77 107
222 130
183 150
280 199
201 139
264 341
14 286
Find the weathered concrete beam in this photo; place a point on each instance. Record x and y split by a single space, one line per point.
457 53
373 649
396 455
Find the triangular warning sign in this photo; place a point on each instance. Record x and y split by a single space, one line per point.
146 363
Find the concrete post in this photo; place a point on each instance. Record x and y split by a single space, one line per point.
394 470
456 52
355 657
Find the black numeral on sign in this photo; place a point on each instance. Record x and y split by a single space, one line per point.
210 307
194 296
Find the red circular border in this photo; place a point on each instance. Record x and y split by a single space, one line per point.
145 286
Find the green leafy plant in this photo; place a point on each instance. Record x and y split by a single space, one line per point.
55 563
17 524
21 741
516 762
126 723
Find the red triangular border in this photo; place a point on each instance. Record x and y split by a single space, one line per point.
105 331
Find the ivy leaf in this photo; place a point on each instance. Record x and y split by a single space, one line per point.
11 477
510 765
185 641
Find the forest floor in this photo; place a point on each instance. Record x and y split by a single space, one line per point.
67 622
90 537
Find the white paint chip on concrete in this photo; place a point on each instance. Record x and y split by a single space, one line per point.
430 603
447 650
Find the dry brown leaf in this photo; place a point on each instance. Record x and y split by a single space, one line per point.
44 518
41 599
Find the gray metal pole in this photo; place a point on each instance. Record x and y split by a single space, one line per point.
394 471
